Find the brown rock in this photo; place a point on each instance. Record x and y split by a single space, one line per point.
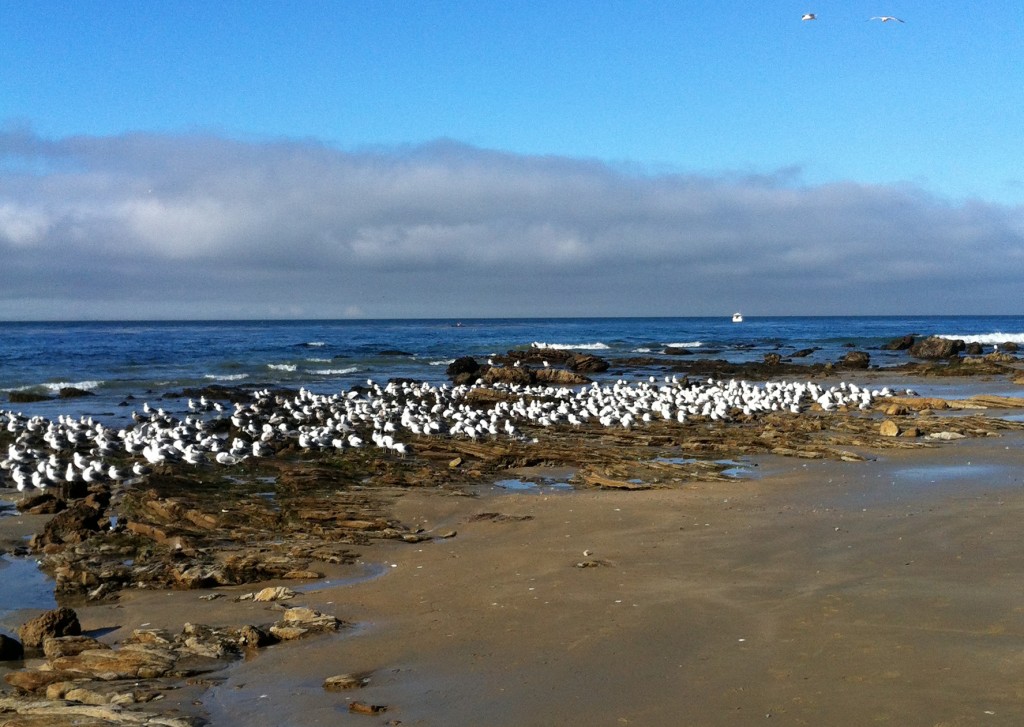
342 682
159 637
364 708
287 633
34 680
134 661
74 525
84 695
309 618
56 646
255 637
58 622
302 575
772 359
889 428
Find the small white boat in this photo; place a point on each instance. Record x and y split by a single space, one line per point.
737 317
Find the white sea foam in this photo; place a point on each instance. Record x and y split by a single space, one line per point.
316 344
58 385
318 360
226 377
334 372
641 350
282 367
444 362
571 346
685 344
990 338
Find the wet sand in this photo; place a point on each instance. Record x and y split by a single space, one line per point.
814 593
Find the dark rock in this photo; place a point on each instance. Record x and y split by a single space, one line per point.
1009 347
935 347
25 397
462 365
899 344
41 503
73 392
973 349
772 359
855 360
10 649
677 351
58 622
508 375
393 352
586 363
560 377
803 352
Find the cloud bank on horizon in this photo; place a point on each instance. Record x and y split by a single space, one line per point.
180 226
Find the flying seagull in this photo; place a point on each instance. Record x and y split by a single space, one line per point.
809 16
886 18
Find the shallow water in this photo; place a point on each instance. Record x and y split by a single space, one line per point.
25 589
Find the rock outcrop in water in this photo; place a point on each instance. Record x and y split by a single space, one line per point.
935 347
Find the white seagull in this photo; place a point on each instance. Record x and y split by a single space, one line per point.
886 18
809 16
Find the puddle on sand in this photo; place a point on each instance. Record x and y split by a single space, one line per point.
737 470
25 587
364 572
675 460
544 486
734 469
933 474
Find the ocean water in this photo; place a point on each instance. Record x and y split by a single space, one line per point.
125 363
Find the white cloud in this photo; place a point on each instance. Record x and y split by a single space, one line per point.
200 226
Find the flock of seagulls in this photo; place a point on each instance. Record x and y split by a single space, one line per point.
883 18
46 453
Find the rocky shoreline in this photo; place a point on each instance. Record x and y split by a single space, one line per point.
289 516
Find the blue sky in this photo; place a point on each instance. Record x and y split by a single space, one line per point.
119 120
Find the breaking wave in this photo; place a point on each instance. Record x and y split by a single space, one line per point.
990 338
334 372
571 346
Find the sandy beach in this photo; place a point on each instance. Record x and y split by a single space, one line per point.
876 592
